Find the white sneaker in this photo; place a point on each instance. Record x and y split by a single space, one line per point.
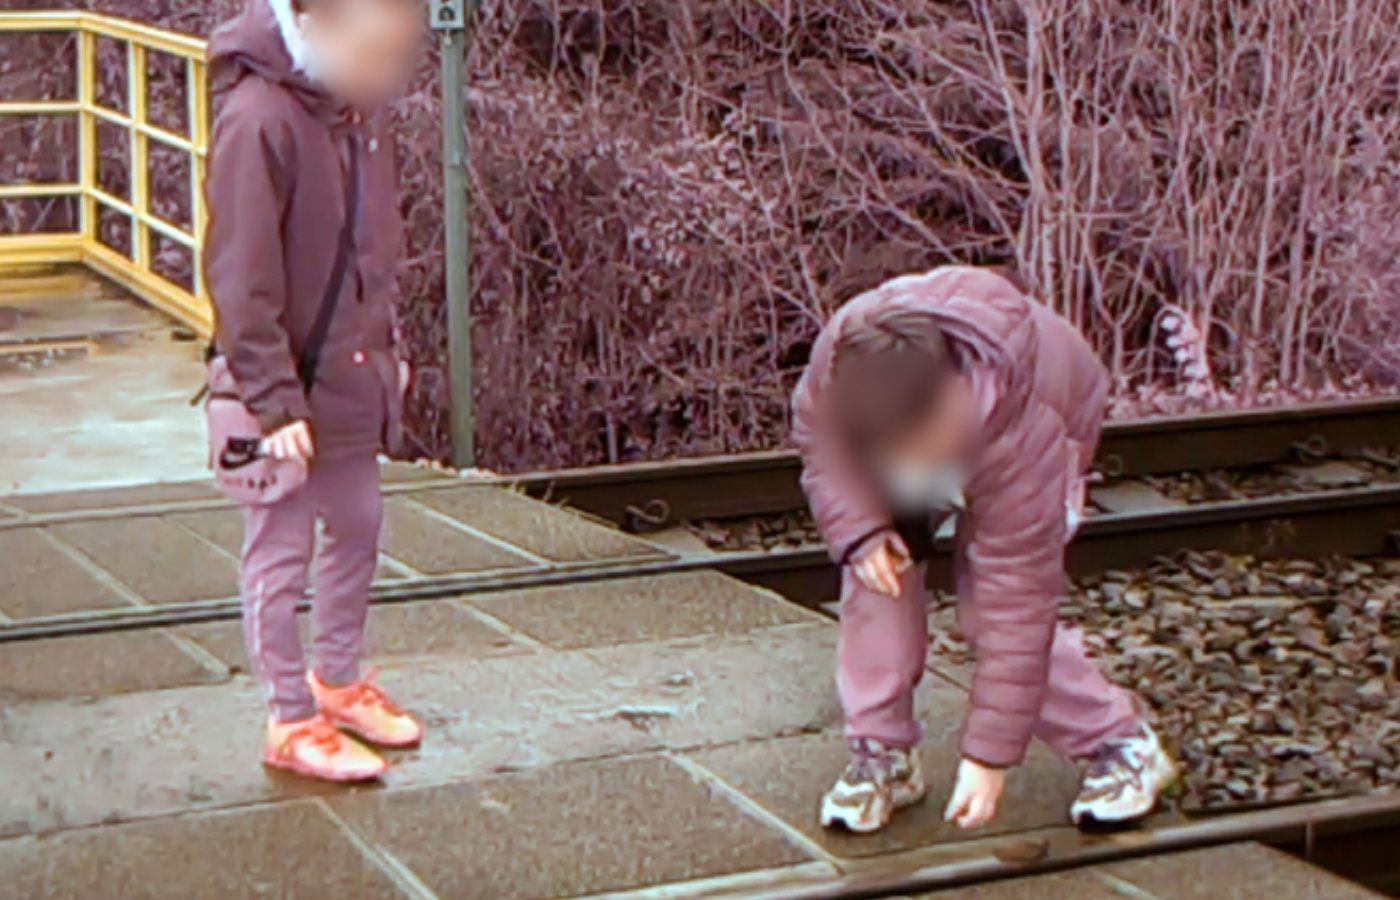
1123 781
878 781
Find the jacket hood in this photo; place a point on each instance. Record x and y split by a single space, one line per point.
264 40
974 308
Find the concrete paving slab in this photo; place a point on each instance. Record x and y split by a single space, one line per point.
1240 872
112 498
39 579
221 527
68 764
788 776
396 633
98 665
155 559
288 851
714 690
224 529
544 530
1131 496
425 543
636 610
119 416
587 828
1076 885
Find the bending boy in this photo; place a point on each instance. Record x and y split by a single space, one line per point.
954 393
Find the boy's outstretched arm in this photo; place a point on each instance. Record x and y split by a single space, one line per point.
1014 580
244 269
847 511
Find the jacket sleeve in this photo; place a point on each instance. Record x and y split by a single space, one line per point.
245 270
847 511
1014 555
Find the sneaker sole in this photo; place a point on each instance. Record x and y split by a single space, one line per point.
308 772
837 823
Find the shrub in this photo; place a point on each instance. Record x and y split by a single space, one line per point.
669 198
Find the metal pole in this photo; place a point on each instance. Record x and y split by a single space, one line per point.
456 210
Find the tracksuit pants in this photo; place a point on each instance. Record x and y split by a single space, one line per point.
279 545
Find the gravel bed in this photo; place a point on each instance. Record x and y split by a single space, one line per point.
1273 680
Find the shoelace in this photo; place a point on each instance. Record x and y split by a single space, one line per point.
869 762
1119 760
367 692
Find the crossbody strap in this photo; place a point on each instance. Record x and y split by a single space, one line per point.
345 252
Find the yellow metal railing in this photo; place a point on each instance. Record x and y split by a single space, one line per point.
133 271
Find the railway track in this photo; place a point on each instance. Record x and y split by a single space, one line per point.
1362 521
1357 522
645 496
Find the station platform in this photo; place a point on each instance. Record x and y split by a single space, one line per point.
600 721
609 736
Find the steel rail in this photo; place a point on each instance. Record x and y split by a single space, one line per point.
1357 522
644 496
649 495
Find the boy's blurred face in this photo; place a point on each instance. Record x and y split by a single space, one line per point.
924 465
363 51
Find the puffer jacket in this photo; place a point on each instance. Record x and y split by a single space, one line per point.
276 191
1040 427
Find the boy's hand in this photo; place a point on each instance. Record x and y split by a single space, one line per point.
290 442
976 795
880 567
405 376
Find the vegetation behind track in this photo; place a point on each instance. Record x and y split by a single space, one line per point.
671 196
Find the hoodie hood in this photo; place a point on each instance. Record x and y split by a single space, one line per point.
264 40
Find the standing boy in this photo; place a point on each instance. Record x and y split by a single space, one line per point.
304 225
953 392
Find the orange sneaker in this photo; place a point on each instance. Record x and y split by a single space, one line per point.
366 711
315 748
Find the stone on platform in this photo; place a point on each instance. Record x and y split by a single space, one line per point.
293 850
640 609
39 579
544 530
413 536
98 665
157 560
568 831
788 777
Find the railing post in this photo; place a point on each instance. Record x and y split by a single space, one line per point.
451 19
87 135
197 90
140 156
